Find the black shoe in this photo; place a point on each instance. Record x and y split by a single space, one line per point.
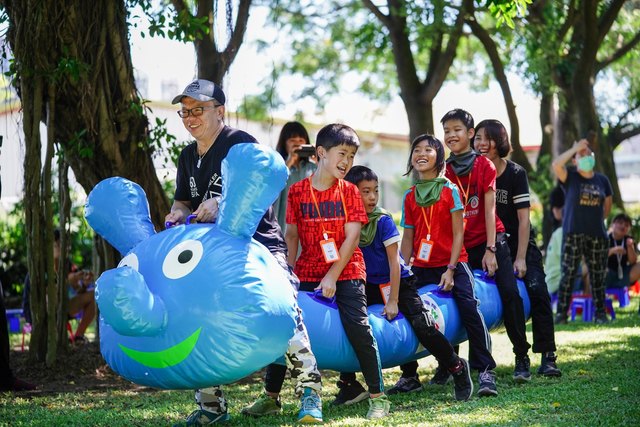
16 384
441 377
548 366
463 386
487 380
405 385
561 319
350 393
522 372
601 319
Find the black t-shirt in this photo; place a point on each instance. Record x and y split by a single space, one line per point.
556 200
584 203
512 193
612 261
197 184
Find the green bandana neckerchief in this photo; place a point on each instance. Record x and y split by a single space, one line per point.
369 230
428 191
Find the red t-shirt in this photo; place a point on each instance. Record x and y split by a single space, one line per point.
438 216
301 211
472 188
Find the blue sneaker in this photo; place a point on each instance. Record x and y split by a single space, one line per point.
310 407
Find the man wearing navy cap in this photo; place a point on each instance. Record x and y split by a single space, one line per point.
198 192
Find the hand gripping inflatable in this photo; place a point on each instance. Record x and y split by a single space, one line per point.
396 340
194 305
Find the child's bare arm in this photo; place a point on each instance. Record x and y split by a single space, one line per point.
457 228
291 238
489 263
391 307
406 247
352 237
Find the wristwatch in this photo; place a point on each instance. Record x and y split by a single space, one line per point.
492 248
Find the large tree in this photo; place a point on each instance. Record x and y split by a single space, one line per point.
570 46
71 67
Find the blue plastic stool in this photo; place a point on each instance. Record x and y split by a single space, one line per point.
13 317
584 303
621 294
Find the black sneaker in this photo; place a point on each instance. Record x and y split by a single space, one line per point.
406 385
487 380
601 319
350 393
463 386
441 377
548 366
522 373
561 319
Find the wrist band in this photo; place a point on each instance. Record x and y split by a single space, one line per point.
451 266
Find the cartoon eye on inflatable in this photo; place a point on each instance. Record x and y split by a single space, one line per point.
182 259
130 260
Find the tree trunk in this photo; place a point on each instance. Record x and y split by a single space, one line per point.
79 50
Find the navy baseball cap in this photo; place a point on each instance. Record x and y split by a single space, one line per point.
202 90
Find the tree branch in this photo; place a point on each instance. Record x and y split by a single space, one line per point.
384 19
608 18
619 53
179 5
239 30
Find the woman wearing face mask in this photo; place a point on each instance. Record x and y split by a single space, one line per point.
587 204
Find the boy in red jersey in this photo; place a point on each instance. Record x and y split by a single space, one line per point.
432 221
325 215
484 234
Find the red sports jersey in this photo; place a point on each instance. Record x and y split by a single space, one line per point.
438 216
472 188
301 211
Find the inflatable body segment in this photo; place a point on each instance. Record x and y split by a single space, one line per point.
194 305
396 340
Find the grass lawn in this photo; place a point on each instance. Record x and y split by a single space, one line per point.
600 386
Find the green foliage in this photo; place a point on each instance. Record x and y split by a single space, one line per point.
13 251
506 10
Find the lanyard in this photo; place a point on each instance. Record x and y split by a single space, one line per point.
465 193
315 202
428 223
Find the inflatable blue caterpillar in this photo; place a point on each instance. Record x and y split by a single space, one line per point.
194 305
205 304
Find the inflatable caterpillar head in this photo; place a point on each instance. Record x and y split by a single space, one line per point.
194 305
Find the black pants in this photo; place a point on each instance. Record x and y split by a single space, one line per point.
410 305
595 251
352 306
512 305
6 375
480 357
541 311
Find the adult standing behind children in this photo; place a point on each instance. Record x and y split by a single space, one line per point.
433 234
587 204
294 147
512 205
198 191
325 215
484 236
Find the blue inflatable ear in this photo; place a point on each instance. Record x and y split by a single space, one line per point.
117 210
253 175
